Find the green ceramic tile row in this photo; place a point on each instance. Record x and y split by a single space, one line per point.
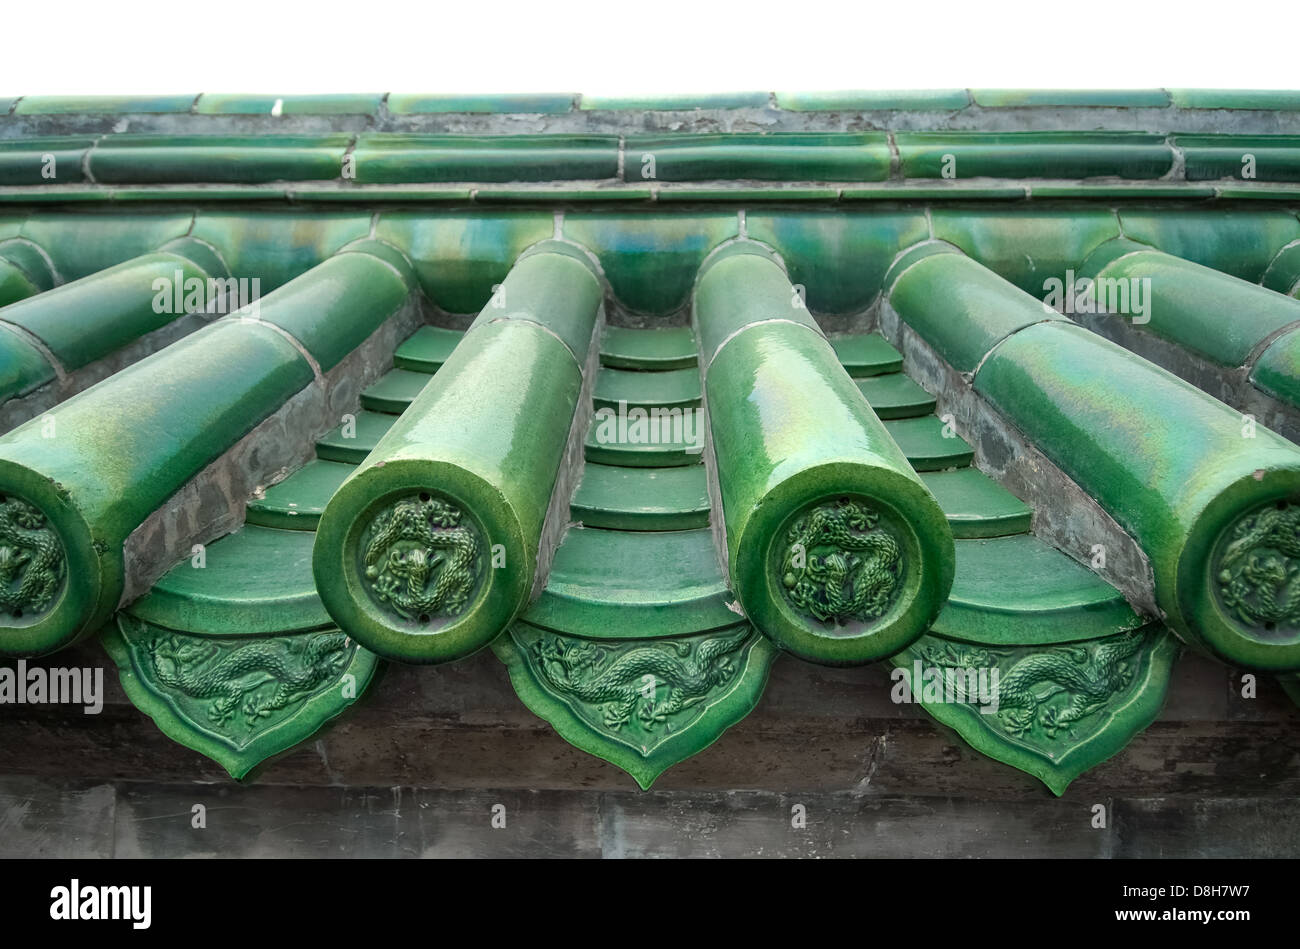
976 505
296 503
81 494
218 104
1071 98
530 103
670 347
1186 303
462 480
958 155
24 271
1240 99
642 499
43 161
83 243
427 349
835 548
1244 157
384 158
240 159
111 105
775 156
667 388
1137 439
904 100
1240 243
676 103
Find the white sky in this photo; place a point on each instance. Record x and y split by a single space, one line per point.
640 46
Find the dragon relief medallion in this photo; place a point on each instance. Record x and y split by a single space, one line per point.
638 683
419 559
262 679
1258 568
840 563
31 560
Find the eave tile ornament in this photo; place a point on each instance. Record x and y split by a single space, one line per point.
641 704
32 562
1257 572
238 699
1052 710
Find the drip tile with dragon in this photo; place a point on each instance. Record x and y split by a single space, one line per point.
1052 710
641 704
238 699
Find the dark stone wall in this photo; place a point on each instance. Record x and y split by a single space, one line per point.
418 766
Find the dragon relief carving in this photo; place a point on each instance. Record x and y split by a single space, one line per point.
31 559
648 681
420 560
263 676
1259 570
840 563
1043 689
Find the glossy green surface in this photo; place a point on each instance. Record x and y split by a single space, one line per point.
929 444
418 104
649 258
1054 710
426 349
484 441
1277 370
352 440
88 319
1282 100
639 439
642 499
1017 590
667 388
641 704
296 502
1032 154
895 396
394 391
241 104
866 354
774 156
166 159
239 700
255 581
1172 465
280 246
1218 317
1208 157
65 105
384 157
1088 98
42 161
676 102
920 100
793 436
22 366
962 308
671 347
80 243
619 584
1238 243
976 505
108 469
333 308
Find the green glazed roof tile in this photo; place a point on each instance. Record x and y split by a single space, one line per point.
927 446
700 685
1260 157
666 388
238 700
976 505
427 349
1093 98
70 105
1103 692
893 395
642 499
866 354
776 156
680 102
1017 590
230 591
1032 154
296 502
634 585
22 366
394 391
663 442
417 104
386 157
42 161
1244 99
905 100
1277 369
239 104
247 159
667 348
352 440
